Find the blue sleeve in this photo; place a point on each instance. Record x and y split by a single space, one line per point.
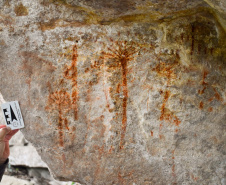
2 168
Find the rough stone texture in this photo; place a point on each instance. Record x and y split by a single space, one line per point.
119 92
25 156
18 140
8 180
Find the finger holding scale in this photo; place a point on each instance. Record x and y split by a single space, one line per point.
12 115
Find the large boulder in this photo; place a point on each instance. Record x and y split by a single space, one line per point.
119 92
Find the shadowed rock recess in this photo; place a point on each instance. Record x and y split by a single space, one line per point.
120 92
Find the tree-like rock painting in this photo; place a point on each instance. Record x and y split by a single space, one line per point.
60 102
122 52
71 73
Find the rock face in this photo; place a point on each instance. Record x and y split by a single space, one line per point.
25 156
119 92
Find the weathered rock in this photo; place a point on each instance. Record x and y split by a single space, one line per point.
9 180
18 140
119 92
25 156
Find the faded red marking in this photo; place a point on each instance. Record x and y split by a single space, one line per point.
66 123
72 133
160 127
60 128
72 73
161 136
201 105
123 53
173 166
106 97
101 152
166 97
28 82
166 70
61 102
204 84
121 177
64 161
89 100
152 133
166 114
217 95
210 109
111 149
194 178
118 88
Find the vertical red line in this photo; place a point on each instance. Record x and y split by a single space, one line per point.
74 82
66 123
60 126
73 77
125 97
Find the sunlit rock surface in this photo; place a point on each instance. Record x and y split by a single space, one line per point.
119 92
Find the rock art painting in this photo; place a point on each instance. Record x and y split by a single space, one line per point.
119 92
122 52
71 74
60 101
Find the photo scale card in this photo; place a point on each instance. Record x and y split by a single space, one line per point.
12 115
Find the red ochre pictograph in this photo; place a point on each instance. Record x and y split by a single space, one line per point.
60 102
122 52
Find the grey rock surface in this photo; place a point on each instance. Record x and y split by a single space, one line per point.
119 92
25 156
8 180
18 140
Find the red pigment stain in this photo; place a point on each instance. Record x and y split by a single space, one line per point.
166 114
217 95
166 97
60 101
101 152
72 133
173 167
110 150
118 88
123 53
72 73
161 136
204 84
201 105
160 127
210 109
28 82
122 178
165 70
64 161
106 91
152 133
194 178
66 123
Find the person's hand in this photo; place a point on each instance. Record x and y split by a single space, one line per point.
5 135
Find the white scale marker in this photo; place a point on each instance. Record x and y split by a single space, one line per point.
12 114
